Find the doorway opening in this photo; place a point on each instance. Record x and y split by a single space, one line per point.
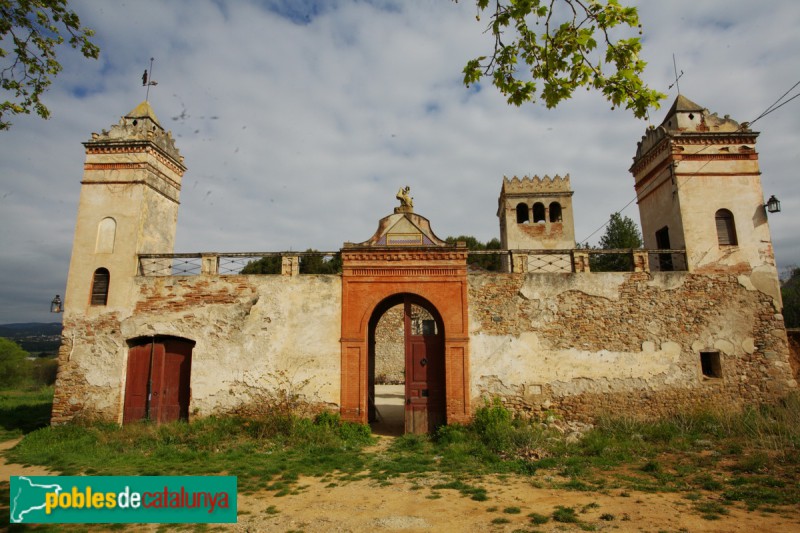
157 385
406 366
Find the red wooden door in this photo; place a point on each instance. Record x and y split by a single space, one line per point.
174 398
162 370
425 394
136 383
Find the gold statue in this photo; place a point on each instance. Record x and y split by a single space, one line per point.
405 198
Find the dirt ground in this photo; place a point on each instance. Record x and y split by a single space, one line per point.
365 506
406 505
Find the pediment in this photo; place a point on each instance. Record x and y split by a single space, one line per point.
402 230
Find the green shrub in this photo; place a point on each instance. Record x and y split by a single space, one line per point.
493 424
15 369
565 515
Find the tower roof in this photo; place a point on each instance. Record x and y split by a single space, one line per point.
144 110
682 105
138 126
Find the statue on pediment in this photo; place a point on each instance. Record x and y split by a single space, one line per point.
406 201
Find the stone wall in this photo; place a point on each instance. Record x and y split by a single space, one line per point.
390 359
250 332
588 344
580 344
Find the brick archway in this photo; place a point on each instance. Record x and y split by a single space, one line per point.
372 275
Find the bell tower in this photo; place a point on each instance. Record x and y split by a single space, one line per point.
128 206
698 187
536 214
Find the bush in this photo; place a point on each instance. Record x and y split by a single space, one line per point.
15 369
493 424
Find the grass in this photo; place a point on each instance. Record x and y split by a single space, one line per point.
23 411
205 447
716 460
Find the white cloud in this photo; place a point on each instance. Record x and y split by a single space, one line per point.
298 131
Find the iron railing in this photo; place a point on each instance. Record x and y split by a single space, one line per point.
519 261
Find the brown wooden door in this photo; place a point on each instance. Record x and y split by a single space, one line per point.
161 368
425 394
174 399
136 383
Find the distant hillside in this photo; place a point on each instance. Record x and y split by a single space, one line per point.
36 338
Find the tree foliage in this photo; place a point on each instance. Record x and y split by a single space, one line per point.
490 262
14 366
30 33
790 292
315 263
270 264
621 234
319 264
545 49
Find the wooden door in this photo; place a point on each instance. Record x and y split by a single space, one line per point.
157 385
425 394
176 370
136 383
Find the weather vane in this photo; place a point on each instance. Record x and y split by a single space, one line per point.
148 83
677 77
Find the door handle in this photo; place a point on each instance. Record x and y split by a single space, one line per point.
408 401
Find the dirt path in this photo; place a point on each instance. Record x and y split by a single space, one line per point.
412 505
10 469
366 506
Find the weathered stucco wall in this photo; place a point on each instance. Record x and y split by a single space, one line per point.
247 329
581 344
585 344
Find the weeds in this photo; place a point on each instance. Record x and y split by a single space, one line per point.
538 519
565 515
760 448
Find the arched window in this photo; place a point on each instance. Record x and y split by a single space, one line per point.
555 212
100 286
106 232
538 212
726 229
522 213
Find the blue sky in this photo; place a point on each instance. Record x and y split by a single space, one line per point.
299 121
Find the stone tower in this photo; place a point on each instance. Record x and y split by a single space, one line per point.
698 187
128 206
536 214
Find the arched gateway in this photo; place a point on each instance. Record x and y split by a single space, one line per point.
404 262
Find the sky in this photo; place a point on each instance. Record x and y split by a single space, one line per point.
299 121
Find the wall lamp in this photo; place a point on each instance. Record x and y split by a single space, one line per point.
773 205
57 306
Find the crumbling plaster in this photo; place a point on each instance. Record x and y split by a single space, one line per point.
537 337
247 329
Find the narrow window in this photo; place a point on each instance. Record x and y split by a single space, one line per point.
665 263
100 287
538 212
522 213
555 212
726 229
710 364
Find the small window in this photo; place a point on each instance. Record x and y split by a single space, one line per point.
555 212
538 213
710 364
726 228
100 286
522 213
